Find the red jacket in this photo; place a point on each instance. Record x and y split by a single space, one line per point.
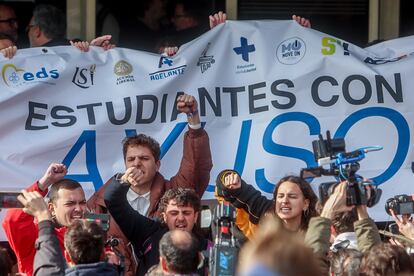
22 232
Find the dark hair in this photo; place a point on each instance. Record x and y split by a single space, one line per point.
51 20
142 140
180 253
192 8
345 262
67 184
386 259
6 263
84 241
308 193
344 221
183 197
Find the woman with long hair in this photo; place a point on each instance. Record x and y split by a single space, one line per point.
293 201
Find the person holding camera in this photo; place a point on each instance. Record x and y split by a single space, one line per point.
83 240
293 200
66 203
319 231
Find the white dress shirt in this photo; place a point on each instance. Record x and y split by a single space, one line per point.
138 202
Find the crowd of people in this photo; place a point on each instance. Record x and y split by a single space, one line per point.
154 222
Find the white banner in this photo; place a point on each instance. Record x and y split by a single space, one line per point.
265 89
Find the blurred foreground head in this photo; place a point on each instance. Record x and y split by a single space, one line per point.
276 251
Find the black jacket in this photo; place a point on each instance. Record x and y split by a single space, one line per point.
247 198
144 233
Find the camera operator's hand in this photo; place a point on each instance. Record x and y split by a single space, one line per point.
188 104
53 174
35 205
405 224
232 181
132 176
336 203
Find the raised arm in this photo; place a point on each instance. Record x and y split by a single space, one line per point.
196 162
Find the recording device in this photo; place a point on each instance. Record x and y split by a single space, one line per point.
400 204
223 255
100 219
9 200
342 165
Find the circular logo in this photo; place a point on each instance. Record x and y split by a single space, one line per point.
122 68
291 51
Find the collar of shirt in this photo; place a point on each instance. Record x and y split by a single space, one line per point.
132 196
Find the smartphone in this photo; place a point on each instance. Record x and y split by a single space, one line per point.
9 200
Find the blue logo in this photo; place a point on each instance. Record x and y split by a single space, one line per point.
244 49
167 71
14 76
165 61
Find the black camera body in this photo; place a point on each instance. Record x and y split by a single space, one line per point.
400 204
344 166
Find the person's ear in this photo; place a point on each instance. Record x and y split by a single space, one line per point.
51 208
164 216
307 203
158 164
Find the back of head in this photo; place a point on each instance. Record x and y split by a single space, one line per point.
386 259
51 20
84 241
179 249
345 262
344 221
279 250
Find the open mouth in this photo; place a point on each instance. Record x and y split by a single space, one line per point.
181 226
285 210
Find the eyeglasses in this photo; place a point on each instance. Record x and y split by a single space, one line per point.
11 21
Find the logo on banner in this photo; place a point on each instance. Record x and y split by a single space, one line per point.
166 64
379 61
124 72
244 50
14 77
83 77
205 61
291 51
329 46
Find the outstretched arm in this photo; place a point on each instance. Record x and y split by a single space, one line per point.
196 162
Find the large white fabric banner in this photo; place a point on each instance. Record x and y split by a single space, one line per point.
265 89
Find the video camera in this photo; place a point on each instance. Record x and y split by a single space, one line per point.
400 204
223 255
343 165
